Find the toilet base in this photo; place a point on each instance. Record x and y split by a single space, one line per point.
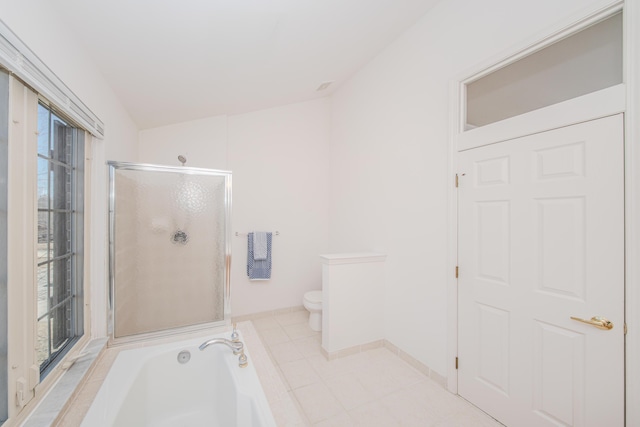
315 321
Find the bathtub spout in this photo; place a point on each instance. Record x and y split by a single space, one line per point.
236 346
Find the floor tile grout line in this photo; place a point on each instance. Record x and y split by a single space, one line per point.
415 378
323 380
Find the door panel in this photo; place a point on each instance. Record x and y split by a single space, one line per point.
558 364
541 239
493 334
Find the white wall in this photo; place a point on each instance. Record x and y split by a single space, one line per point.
38 25
389 155
203 142
279 158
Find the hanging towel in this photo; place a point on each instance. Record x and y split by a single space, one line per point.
259 245
258 269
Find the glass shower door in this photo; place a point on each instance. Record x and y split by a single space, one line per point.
169 248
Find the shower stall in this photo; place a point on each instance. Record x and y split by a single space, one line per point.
169 238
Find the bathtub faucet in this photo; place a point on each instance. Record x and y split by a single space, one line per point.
236 346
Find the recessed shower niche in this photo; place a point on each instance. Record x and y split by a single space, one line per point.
169 249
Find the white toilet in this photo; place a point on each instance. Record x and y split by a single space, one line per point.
312 301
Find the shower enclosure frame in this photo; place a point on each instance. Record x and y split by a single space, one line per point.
183 170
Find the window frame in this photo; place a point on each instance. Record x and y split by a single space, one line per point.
4 165
60 126
27 386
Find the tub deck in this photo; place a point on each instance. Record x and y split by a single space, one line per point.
282 407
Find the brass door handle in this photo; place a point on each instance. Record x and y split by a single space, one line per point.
597 321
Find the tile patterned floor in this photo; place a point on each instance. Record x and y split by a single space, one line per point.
371 388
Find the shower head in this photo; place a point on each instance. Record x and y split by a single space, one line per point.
182 159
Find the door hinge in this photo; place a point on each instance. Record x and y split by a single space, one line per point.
456 180
625 329
456 363
456 271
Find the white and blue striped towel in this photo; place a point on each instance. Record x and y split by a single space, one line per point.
259 245
258 269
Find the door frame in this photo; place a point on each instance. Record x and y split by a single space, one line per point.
623 98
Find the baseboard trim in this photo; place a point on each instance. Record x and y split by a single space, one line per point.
413 362
262 314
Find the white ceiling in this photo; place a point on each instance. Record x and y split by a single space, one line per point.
171 61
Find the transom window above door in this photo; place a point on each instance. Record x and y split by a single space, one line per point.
583 63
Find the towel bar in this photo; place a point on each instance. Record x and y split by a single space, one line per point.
238 234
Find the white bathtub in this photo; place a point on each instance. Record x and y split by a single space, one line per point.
149 387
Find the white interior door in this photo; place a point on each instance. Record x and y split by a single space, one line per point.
541 240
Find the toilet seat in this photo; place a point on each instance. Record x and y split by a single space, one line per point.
312 301
313 297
